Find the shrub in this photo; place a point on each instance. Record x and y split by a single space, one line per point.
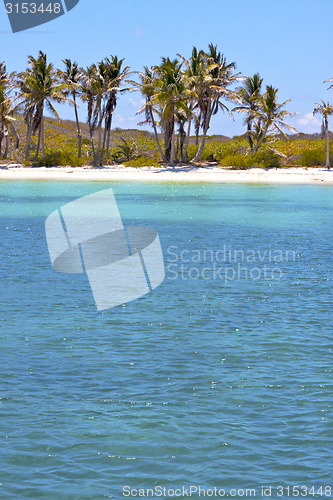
147 146
143 161
125 151
265 158
192 151
315 157
237 161
58 157
311 157
215 151
112 157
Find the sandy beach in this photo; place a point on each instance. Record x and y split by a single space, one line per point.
168 174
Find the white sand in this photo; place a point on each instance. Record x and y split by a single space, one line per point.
168 174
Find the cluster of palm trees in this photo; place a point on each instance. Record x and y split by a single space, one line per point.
98 86
8 132
180 92
40 86
186 93
325 109
264 115
181 96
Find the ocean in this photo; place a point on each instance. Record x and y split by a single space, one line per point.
217 383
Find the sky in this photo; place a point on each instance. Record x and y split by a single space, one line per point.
289 42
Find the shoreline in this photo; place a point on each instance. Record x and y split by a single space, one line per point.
187 173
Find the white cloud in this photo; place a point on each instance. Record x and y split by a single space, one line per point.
136 103
308 123
138 32
125 121
120 119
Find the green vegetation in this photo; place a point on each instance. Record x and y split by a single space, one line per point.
7 114
143 162
265 158
249 96
325 109
181 96
71 78
139 148
38 87
100 84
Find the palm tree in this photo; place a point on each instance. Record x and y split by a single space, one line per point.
4 82
270 116
71 77
325 109
38 87
219 76
181 119
172 94
7 107
100 85
7 123
6 79
249 96
147 88
88 95
93 90
114 77
329 80
196 71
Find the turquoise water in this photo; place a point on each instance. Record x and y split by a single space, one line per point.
206 381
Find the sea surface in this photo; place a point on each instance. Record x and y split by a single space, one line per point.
222 377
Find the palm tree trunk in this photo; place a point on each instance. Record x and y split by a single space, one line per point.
168 131
27 144
204 134
257 146
79 138
172 155
249 129
97 158
188 137
156 137
101 154
93 147
99 146
43 138
6 148
327 145
197 128
104 137
39 140
177 148
92 142
108 137
182 138
15 152
263 135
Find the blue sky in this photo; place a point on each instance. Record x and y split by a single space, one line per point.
288 41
